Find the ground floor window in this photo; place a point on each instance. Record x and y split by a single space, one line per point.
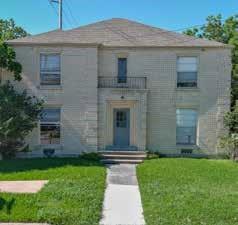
186 130
50 126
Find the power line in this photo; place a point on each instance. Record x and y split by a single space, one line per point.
67 18
57 12
50 2
159 32
70 11
176 30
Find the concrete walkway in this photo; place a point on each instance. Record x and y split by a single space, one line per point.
122 202
22 186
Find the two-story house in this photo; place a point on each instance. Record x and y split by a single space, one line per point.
120 84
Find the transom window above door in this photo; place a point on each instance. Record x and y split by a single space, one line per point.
187 72
50 69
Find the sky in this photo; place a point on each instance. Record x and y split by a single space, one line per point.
38 16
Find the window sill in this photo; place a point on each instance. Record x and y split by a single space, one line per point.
194 146
50 87
55 146
187 89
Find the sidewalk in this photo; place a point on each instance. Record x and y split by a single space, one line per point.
122 202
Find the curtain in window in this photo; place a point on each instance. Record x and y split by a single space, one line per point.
50 62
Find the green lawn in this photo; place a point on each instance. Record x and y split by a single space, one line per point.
73 196
189 191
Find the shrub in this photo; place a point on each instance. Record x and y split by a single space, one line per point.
230 143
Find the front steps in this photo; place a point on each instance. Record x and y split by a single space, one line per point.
120 157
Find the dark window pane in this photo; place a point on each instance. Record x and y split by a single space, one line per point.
186 135
186 126
122 70
50 62
50 115
121 119
187 79
50 79
50 134
50 69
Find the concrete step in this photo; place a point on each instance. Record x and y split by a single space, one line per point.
122 152
121 161
123 156
122 148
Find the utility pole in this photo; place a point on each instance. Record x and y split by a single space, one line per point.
60 14
60 4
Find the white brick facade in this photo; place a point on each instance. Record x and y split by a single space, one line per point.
83 105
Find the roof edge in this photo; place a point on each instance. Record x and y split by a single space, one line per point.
51 44
225 46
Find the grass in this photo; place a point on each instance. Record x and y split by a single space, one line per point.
189 191
73 196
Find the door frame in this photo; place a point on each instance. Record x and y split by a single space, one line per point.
115 110
114 104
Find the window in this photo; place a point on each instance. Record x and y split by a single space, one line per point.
121 120
187 72
122 70
50 126
50 69
186 126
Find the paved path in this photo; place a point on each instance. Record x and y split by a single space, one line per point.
22 186
122 202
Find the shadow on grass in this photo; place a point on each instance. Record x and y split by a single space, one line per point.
4 204
21 165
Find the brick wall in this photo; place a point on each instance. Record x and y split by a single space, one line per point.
79 99
210 99
77 96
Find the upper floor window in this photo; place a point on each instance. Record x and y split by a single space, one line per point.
122 70
187 72
50 126
186 129
50 69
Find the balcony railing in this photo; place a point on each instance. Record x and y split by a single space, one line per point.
122 82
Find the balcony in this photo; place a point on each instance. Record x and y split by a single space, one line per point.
122 82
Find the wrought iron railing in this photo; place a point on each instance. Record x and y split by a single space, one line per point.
122 82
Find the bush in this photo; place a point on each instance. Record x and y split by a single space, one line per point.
230 143
19 114
93 156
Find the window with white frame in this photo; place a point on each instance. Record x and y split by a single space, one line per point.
50 69
186 129
50 126
187 71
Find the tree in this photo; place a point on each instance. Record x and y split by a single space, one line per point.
9 30
8 62
227 33
19 112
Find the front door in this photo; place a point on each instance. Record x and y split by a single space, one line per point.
121 127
